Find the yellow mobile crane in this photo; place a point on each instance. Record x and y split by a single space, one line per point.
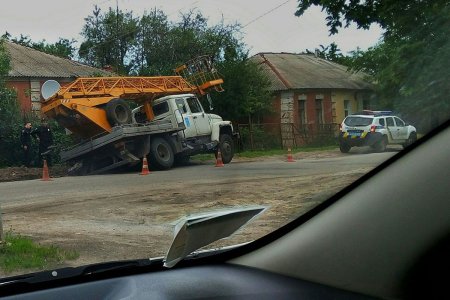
169 123
89 106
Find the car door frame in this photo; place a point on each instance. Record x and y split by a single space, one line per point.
402 131
392 130
190 130
200 119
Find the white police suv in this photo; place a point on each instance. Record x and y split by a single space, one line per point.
376 129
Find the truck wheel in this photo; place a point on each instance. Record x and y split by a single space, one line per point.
118 112
226 148
381 145
344 147
161 154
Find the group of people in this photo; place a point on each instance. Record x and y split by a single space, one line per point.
43 135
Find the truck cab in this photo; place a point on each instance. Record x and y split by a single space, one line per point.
203 132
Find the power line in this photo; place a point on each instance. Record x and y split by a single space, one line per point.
266 13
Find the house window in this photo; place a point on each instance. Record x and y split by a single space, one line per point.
301 112
319 111
347 108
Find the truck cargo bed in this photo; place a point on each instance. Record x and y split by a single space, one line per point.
118 133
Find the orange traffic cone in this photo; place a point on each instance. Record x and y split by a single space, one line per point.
145 170
289 156
219 162
45 175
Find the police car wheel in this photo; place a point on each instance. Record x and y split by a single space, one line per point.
344 147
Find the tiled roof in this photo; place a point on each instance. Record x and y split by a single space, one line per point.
305 71
28 62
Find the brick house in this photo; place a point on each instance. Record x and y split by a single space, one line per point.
30 68
311 95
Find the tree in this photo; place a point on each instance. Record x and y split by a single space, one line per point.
331 53
162 45
151 56
156 46
109 39
411 64
246 93
10 115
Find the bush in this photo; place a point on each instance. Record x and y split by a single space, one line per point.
10 126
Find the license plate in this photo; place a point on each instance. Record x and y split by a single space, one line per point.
354 133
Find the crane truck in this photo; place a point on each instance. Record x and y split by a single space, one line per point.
167 125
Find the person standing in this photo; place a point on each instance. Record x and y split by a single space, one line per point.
44 136
25 141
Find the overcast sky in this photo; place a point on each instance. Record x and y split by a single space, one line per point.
267 27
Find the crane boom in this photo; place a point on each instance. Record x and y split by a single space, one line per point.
86 107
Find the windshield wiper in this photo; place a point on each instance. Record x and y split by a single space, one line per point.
193 232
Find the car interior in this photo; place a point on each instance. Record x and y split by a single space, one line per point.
384 236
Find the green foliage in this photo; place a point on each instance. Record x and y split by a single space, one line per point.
331 53
109 39
61 140
259 138
151 56
18 252
163 45
10 124
246 93
411 64
4 64
156 46
10 127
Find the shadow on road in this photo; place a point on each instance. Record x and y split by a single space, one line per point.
367 149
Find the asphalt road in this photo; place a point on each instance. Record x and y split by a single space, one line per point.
33 191
125 216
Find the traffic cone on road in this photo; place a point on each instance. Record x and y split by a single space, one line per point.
219 162
45 175
289 156
145 170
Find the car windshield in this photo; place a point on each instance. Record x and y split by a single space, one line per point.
358 121
255 96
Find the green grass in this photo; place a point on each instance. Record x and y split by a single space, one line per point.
18 252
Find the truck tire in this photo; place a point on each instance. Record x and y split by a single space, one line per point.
226 148
161 154
118 112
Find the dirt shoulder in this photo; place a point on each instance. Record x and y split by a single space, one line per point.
23 173
140 224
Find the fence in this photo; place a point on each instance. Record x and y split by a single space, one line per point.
266 136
